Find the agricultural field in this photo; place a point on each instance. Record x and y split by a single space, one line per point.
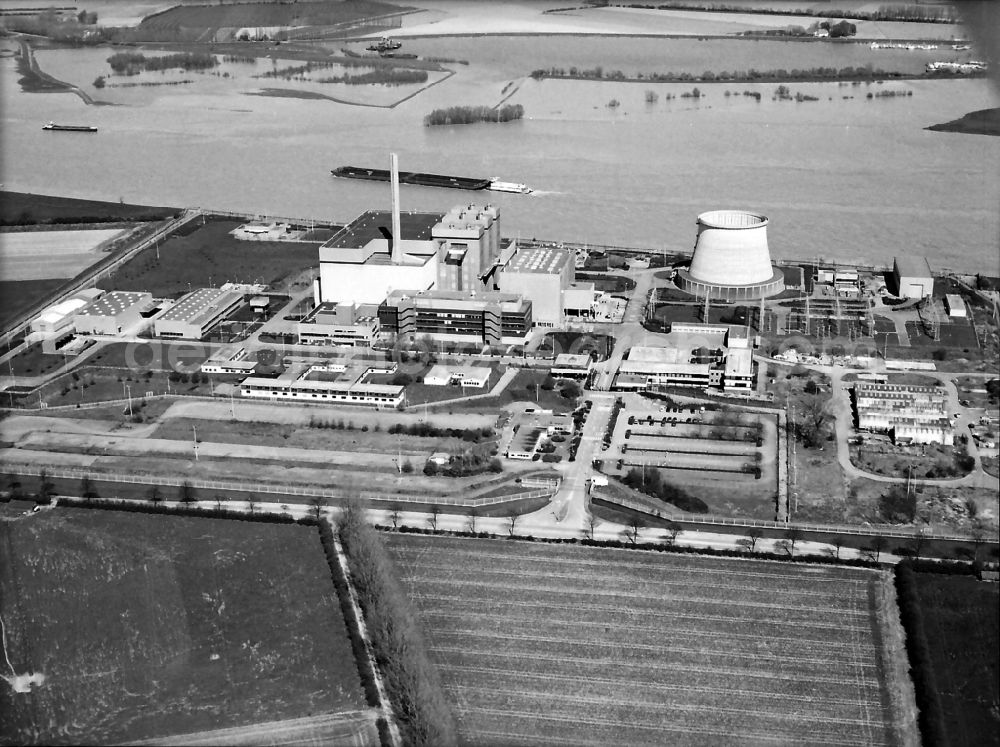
38 255
554 644
963 632
22 208
138 626
208 255
715 456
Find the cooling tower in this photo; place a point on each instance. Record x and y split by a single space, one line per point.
731 260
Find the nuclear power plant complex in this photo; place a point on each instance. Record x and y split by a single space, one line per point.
731 260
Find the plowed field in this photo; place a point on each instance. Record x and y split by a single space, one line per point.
548 644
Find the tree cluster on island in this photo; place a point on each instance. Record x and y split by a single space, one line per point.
458 115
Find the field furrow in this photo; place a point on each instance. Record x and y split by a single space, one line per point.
486 588
622 728
543 644
521 615
831 596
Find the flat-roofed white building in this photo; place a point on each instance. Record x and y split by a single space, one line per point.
738 371
540 275
112 313
442 375
340 324
955 305
325 385
229 361
917 431
197 312
913 277
572 365
58 318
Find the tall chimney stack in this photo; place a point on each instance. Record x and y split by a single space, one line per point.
397 249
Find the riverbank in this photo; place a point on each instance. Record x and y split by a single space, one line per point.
982 122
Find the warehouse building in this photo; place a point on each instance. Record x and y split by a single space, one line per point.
912 277
572 365
197 312
112 313
492 317
57 320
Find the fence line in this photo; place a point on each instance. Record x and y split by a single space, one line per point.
869 531
255 488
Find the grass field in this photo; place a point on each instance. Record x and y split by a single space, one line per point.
149 626
38 255
208 255
963 631
546 644
22 208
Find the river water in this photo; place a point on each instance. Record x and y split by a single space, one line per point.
844 177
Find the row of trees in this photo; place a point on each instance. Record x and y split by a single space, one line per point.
411 680
943 13
430 431
130 63
456 115
390 77
823 73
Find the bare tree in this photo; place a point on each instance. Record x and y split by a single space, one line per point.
512 517
251 503
917 543
317 503
87 489
838 541
394 512
153 495
753 536
435 512
673 530
874 550
45 487
591 524
977 535
473 515
635 524
793 535
186 492
815 414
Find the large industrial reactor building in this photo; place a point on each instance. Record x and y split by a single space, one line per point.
731 260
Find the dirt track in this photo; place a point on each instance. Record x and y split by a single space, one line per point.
345 729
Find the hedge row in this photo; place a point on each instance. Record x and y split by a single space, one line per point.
411 680
652 546
931 716
136 507
365 669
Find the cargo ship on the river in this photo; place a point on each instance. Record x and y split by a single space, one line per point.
412 177
68 128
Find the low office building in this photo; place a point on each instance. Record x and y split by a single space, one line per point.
572 365
229 361
197 312
327 384
882 407
696 355
581 300
912 277
475 376
915 431
340 324
492 317
112 313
